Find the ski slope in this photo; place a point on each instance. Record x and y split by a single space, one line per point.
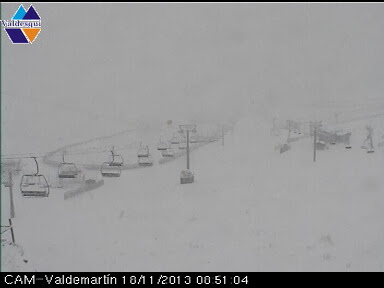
250 209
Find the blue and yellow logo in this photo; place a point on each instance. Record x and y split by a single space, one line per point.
24 25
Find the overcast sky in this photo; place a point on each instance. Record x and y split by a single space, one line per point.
192 60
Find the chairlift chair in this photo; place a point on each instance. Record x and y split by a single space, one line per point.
175 139
183 145
161 146
371 148
108 170
348 146
143 151
115 159
34 185
186 177
145 161
193 138
67 170
168 152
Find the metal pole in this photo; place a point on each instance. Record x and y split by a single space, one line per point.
11 195
187 150
13 235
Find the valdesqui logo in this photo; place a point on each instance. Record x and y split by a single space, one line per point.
24 25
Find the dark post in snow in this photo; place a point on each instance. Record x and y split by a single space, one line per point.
187 176
11 227
11 195
316 125
187 150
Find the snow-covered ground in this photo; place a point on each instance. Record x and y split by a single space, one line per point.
250 209
14 259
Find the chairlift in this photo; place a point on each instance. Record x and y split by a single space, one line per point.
175 139
183 145
143 151
108 170
186 177
193 139
371 149
161 146
348 146
168 152
34 185
67 170
145 161
115 159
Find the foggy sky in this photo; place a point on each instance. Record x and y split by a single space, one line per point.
114 62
